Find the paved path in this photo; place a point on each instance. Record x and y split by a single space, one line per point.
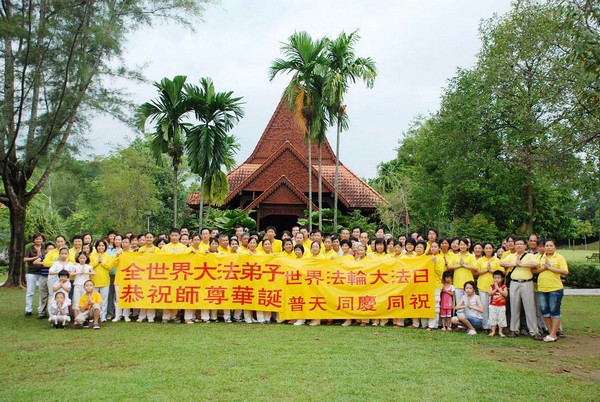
582 292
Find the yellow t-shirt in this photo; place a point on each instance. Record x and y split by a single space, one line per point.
277 246
449 258
83 300
73 255
331 254
521 273
549 281
285 254
462 275
379 256
506 254
51 258
439 269
102 269
485 281
222 250
408 255
146 249
174 248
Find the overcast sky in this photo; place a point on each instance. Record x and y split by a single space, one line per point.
416 44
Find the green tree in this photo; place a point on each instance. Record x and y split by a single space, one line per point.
167 114
55 57
343 68
209 146
304 58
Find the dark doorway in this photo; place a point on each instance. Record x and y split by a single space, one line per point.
281 222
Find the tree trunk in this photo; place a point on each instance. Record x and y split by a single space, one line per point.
320 190
175 174
201 206
16 270
309 183
529 205
336 177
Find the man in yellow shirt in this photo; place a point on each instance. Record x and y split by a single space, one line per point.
521 289
173 247
148 247
270 233
510 247
204 239
223 244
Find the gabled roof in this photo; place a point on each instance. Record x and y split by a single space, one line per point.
275 190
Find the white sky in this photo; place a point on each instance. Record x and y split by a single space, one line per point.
416 44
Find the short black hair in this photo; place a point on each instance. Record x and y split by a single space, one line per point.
64 272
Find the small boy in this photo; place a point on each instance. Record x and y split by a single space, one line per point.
63 284
497 311
89 303
59 310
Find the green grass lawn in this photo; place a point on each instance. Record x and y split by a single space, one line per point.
577 255
131 361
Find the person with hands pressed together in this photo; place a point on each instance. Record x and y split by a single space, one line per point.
521 289
102 263
89 303
550 288
463 267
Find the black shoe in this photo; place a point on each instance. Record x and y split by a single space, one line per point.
86 325
42 316
560 334
537 337
28 314
513 334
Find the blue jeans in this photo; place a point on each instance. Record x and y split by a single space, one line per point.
550 303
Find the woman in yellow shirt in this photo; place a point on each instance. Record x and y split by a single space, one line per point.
419 251
463 268
486 266
288 248
440 268
550 288
102 263
478 250
409 247
380 249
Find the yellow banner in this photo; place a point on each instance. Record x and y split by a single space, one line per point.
306 288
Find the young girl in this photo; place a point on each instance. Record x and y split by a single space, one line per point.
471 310
409 248
82 271
486 266
62 264
446 301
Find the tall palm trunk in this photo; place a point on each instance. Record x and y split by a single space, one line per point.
310 203
320 191
175 173
337 173
201 205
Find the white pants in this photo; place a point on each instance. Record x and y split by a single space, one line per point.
248 316
263 316
32 281
148 313
78 291
458 294
206 315
485 301
433 323
120 312
59 319
104 294
44 295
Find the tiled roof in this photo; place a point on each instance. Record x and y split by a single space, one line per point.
358 193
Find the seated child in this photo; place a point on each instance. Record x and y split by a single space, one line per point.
59 310
89 305
469 310
498 294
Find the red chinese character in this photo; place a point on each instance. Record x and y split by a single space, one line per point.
366 303
296 303
132 273
313 275
345 302
421 275
273 270
162 294
419 301
269 297
379 277
395 302
317 302
157 272
242 294
338 277
357 278
403 276
216 294
187 294
181 268
251 271
230 271
293 278
131 294
205 270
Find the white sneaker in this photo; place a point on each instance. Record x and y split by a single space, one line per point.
300 322
150 321
127 319
139 320
347 323
116 319
314 323
471 332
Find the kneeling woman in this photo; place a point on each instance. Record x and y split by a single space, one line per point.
469 310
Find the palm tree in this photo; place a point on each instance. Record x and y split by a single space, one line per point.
304 59
209 147
343 67
167 113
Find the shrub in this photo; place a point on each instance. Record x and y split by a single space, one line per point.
584 275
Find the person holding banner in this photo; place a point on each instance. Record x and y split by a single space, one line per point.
175 247
288 249
120 312
420 251
440 267
299 251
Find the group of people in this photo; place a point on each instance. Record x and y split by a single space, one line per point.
507 290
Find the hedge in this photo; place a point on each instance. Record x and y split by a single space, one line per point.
583 275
